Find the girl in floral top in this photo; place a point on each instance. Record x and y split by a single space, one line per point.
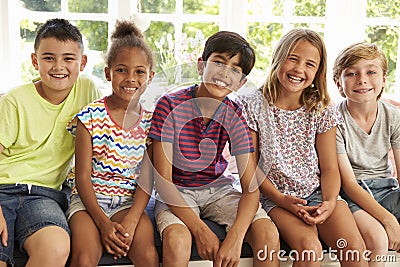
293 126
106 211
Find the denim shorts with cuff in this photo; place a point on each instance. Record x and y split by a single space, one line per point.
385 191
314 199
110 205
27 209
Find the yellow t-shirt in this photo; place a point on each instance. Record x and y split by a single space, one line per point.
37 146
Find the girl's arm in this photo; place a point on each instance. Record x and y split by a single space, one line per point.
362 198
83 168
142 195
290 203
330 177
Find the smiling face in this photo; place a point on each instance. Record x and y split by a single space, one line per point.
363 81
299 69
221 75
58 63
129 73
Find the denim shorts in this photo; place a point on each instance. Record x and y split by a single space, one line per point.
384 190
312 200
27 209
110 205
218 204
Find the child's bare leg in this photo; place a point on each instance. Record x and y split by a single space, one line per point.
176 241
87 247
143 251
263 238
301 237
48 246
340 232
3 264
374 236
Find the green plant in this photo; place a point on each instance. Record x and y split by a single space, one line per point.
176 59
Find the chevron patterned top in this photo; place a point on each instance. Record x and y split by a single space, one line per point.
117 151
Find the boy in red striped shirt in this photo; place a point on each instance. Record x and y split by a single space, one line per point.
190 129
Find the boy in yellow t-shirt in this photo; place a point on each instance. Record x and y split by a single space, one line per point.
36 149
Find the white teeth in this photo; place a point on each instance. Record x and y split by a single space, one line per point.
362 90
220 83
59 75
130 89
295 78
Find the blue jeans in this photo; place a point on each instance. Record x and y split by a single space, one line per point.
110 205
27 209
384 190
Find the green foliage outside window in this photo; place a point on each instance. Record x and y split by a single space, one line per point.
42 5
79 6
263 36
210 7
157 6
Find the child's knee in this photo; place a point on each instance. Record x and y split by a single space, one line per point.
177 237
264 231
309 243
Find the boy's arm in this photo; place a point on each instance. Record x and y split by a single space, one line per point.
83 161
362 198
206 241
230 250
3 225
396 155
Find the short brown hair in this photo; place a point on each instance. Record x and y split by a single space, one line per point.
354 53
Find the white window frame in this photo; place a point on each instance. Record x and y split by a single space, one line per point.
344 22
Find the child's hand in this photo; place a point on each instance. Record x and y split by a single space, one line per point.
110 235
320 214
229 252
393 232
207 244
3 229
130 229
293 204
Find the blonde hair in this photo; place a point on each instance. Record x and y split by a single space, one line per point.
354 53
314 97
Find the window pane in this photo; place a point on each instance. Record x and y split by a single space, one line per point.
28 30
266 8
310 8
42 5
263 38
207 29
201 7
379 8
386 38
192 46
162 44
96 33
319 28
91 6
157 6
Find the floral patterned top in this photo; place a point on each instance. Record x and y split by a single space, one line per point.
287 142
